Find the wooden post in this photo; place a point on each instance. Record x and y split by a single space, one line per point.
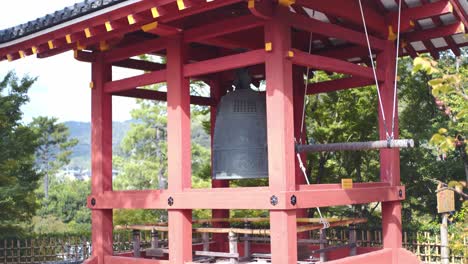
389 158
323 244
280 130
352 240
179 160
247 241
444 244
233 247
154 239
101 156
136 243
217 91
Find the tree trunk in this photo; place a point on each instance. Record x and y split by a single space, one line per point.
46 185
321 169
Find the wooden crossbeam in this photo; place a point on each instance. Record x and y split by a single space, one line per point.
222 28
339 84
135 81
331 30
332 65
162 96
143 47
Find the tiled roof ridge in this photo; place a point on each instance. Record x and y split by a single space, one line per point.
56 18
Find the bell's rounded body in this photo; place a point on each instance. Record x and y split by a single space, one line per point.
240 137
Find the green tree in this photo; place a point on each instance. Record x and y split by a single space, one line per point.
54 147
18 177
142 161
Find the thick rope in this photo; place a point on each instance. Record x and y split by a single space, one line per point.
374 71
323 221
306 82
395 83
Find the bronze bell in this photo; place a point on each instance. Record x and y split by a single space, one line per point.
240 134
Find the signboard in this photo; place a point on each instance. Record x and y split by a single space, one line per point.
445 201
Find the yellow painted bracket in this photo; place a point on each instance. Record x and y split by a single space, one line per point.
103 45
34 49
68 39
149 27
290 54
391 34
51 44
251 4
286 2
131 19
9 57
91 85
181 4
108 26
21 54
346 183
268 46
155 12
88 33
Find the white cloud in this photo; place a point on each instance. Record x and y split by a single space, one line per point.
62 89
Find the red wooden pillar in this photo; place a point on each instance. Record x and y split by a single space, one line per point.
179 154
280 127
216 93
101 157
299 88
389 158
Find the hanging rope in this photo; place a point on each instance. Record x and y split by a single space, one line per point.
374 70
396 72
323 221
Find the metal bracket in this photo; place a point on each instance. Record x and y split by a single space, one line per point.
293 200
274 200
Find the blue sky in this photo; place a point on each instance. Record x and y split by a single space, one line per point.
62 89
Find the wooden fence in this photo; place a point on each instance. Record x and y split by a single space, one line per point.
71 250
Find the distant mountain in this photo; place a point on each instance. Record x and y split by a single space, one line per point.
81 155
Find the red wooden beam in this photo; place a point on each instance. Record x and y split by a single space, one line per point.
349 10
139 65
327 29
409 16
338 85
101 157
320 195
143 47
339 196
178 151
333 65
162 96
85 56
130 260
248 58
343 52
383 256
136 81
223 27
438 32
197 9
280 138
